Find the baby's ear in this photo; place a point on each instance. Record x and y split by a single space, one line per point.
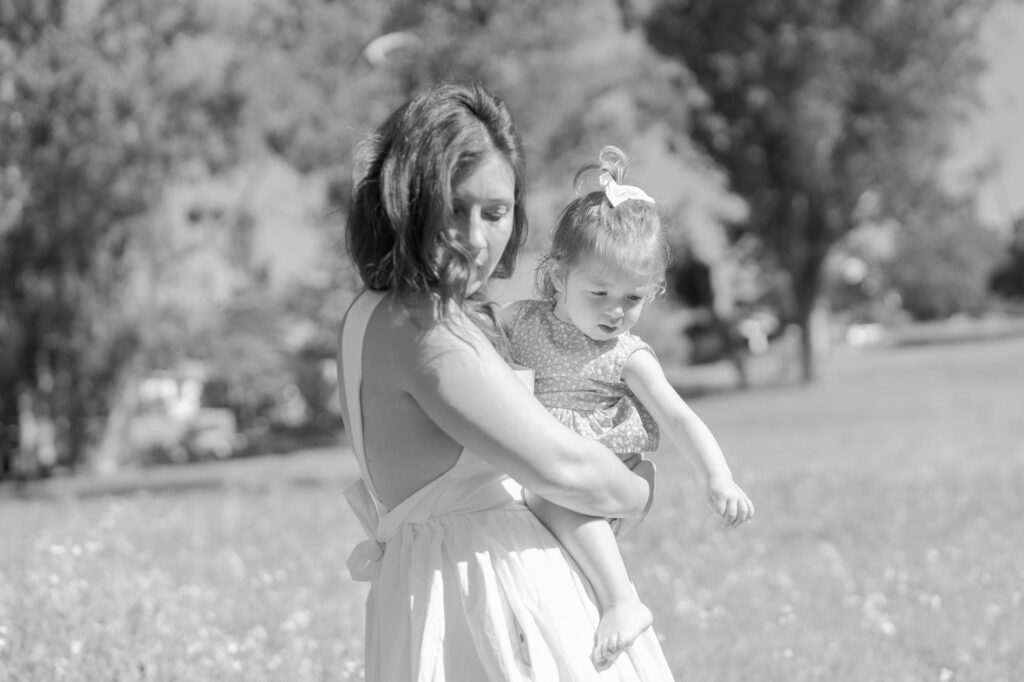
558 271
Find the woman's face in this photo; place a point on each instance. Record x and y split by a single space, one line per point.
483 202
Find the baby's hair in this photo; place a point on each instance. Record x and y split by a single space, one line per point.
628 238
401 204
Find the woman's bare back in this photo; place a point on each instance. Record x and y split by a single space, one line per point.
405 449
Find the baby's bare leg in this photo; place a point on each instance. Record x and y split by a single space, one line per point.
592 544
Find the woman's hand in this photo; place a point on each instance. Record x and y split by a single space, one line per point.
729 501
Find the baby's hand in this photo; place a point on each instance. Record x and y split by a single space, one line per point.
729 501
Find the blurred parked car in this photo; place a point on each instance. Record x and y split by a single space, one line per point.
181 416
713 338
213 433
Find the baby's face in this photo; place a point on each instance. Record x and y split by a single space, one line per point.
599 301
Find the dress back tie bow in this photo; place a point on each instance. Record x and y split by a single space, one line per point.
365 560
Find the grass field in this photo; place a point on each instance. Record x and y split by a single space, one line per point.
887 547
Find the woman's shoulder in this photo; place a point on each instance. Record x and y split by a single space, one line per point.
394 328
417 334
511 315
508 313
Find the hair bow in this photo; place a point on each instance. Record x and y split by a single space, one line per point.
617 193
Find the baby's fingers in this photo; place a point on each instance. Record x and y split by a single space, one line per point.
744 512
729 513
735 511
720 504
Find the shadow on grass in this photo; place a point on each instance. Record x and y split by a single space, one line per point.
326 466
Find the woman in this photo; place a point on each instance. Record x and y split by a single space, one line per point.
467 584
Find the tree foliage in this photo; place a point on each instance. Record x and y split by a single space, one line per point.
810 105
564 67
107 105
568 69
943 263
95 114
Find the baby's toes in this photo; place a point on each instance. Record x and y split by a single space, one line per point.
604 653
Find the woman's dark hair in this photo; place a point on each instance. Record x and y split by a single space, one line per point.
401 203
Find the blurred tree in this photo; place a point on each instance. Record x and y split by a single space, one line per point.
329 71
855 283
1008 279
810 105
246 351
938 261
575 77
110 106
324 73
314 93
213 303
95 114
943 264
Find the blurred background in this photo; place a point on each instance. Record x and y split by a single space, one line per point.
843 183
174 178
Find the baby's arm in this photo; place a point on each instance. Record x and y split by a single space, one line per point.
687 432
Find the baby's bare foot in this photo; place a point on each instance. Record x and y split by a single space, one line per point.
620 625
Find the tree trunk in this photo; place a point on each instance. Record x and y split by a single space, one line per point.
808 369
77 426
8 430
819 227
806 291
12 381
114 447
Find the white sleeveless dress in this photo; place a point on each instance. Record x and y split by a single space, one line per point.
466 584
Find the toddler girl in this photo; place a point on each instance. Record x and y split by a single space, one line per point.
607 259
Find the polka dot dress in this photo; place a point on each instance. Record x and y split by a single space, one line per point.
580 380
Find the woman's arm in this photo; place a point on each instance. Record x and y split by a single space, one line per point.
465 387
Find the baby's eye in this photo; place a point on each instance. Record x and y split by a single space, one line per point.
634 298
598 293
